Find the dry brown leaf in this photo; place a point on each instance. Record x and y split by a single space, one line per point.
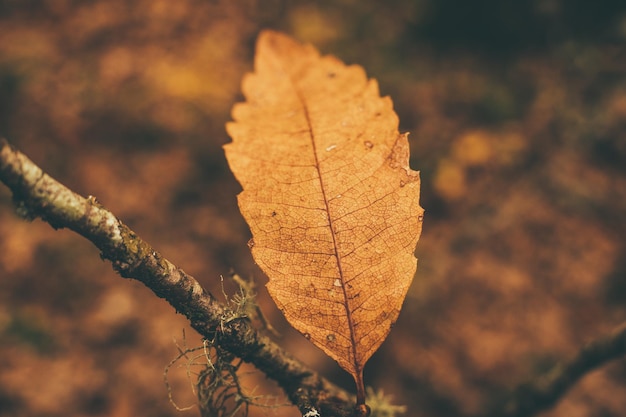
329 197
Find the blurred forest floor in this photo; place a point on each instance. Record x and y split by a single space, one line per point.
517 114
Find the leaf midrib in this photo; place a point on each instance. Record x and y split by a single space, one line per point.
346 303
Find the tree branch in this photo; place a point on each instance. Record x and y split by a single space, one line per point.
544 392
36 194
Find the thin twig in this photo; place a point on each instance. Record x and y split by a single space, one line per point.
36 194
545 391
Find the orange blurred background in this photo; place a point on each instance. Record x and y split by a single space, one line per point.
517 115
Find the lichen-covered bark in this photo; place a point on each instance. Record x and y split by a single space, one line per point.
36 194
